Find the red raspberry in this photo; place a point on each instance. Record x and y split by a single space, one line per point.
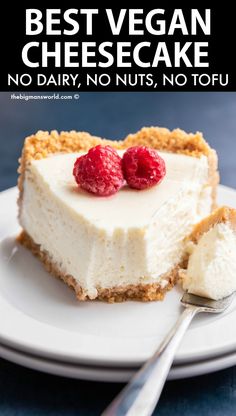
142 167
99 171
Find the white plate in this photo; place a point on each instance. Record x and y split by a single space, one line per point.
42 316
107 374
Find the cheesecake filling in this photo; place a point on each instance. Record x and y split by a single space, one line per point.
211 270
130 238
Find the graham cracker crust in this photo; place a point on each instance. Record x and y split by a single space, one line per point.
43 143
141 292
222 214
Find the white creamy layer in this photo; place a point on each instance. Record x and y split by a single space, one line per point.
131 237
212 265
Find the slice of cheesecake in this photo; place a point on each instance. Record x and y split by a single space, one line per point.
211 270
125 246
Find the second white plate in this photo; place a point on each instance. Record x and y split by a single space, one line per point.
107 374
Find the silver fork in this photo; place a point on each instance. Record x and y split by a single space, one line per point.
142 393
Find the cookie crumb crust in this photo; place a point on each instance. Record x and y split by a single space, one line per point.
222 214
141 292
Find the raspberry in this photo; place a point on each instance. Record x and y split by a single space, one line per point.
99 171
142 167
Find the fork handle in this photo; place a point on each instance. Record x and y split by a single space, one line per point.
142 393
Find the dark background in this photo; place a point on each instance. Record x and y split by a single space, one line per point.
27 393
114 115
